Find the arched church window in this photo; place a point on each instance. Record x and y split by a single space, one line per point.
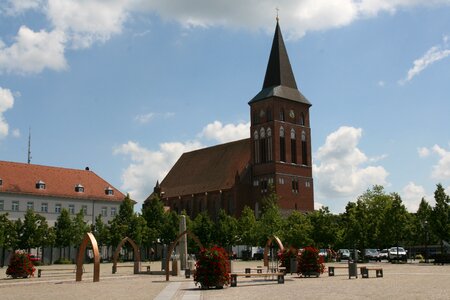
269 145
262 146
293 147
256 146
302 119
282 145
282 114
304 149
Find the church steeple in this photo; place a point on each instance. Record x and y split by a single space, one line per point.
279 71
279 80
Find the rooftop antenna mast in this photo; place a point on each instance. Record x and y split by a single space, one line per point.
29 145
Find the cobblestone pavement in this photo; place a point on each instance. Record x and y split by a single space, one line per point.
400 281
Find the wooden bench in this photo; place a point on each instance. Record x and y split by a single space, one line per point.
52 270
365 271
249 270
234 276
331 269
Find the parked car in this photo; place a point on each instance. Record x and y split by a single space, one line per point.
372 254
34 259
397 253
384 254
344 254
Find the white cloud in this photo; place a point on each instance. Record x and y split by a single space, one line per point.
412 194
342 171
381 83
32 52
6 102
14 7
423 152
148 166
434 54
442 169
81 23
230 132
88 21
16 133
146 118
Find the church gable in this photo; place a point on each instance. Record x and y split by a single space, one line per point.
206 170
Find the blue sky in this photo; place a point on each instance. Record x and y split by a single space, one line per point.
126 86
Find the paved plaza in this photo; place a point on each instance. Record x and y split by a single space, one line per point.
400 281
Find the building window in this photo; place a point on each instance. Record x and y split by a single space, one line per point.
262 145
79 188
308 184
1 182
104 211
71 209
44 207
40 185
84 209
2 205
256 141
30 205
282 145
269 145
295 186
302 119
304 149
264 186
58 208
293 147
281 180
113 211
109 191
269 115
255 182
282 114
15 206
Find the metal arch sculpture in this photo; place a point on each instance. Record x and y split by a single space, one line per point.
136 251
89 237
266 249
172 247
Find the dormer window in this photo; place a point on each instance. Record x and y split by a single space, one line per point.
109 191
79 188
40 185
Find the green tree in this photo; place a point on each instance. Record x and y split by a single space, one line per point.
298 230
203 228
171 227
63 231
153 213
270 224
79 228
325 230
33 230
120 225
247 226
440 216
396 221
101 231
226 230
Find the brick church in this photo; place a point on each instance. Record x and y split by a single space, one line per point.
277 156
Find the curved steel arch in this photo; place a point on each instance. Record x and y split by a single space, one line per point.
172 246
89 237
136 251
267 248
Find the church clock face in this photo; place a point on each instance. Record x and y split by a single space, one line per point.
292 114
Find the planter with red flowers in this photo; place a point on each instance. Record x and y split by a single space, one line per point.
212 268
20 265
310 263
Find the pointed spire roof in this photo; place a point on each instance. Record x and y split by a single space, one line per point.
279 80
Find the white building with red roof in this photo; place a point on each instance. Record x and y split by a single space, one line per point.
47 190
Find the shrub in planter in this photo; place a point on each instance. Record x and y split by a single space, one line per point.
310 263
211 268
20 265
